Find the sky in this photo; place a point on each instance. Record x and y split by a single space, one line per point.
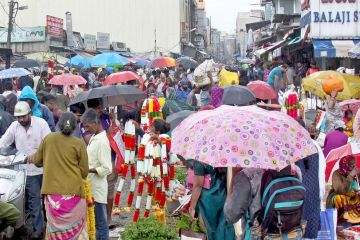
223 12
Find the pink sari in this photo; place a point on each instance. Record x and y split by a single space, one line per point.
66 216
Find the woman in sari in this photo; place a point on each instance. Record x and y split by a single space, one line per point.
344 194
65 162
172 105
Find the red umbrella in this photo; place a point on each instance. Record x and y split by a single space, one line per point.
335 155
262 90
121 77
67 79
162 62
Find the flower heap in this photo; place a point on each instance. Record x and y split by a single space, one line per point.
130 147
150 110
90 214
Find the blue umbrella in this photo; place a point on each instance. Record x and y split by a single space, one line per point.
141 62
13 72
79 61
108 60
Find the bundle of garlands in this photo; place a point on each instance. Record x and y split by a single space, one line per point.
90 215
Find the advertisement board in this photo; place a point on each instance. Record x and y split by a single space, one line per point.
90 42
103 40
54 26
335 19
25 34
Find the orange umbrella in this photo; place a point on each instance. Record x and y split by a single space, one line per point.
162 62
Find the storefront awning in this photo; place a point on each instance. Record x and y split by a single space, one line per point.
262 51
333 48
256 25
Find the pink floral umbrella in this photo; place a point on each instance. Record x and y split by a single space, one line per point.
352 104
242 137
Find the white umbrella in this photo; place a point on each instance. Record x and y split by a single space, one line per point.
14 72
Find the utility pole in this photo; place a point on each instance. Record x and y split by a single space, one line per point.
10 28
155 44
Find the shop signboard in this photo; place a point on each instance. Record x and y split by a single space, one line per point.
305 19
54 26
103 40
90 42
335 19
25 34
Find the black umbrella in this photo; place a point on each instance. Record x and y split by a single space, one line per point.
112 95
26 63
187 62
176 118
238 96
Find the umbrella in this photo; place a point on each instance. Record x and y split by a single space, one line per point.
333 157
26 63
121 77
141 62
79 61
247 136
108 60
238 95
162 62
112 95
187 62
67 79
313 83
352 104
176 118
262 90
14 72
247 61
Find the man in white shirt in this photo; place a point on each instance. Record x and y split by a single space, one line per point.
27 133
99 153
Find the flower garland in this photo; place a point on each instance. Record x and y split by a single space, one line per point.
130 147
150 110
90 215
292 105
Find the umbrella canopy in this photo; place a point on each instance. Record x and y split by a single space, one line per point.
355 51
262 90
162 62
176 118
141 62
112 95
332 159
79 61
67 79
26 63
247 136
238 96
352 104
121 77
187 62
313 83
108 60
13 72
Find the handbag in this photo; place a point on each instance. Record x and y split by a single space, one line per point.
190 234
190 179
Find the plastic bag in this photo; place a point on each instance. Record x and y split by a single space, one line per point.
328 224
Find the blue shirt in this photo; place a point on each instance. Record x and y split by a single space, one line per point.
271 79
181 95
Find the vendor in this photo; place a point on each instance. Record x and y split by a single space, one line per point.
344 196
349 120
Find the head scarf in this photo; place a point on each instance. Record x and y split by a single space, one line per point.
344 165
216 96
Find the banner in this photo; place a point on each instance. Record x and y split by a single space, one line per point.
90 42
69 32
26 34
54 26
103 40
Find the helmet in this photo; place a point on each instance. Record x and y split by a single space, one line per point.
22 108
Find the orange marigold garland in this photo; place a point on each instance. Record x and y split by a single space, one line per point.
90 214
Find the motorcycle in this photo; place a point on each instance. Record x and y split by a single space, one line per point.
12 185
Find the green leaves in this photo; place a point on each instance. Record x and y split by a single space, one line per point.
148 229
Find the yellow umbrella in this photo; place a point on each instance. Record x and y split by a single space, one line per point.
313 83
228 78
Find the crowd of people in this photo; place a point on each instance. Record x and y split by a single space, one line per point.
66 144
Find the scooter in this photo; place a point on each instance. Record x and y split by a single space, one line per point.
12 185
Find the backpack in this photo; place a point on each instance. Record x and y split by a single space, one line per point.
282 205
